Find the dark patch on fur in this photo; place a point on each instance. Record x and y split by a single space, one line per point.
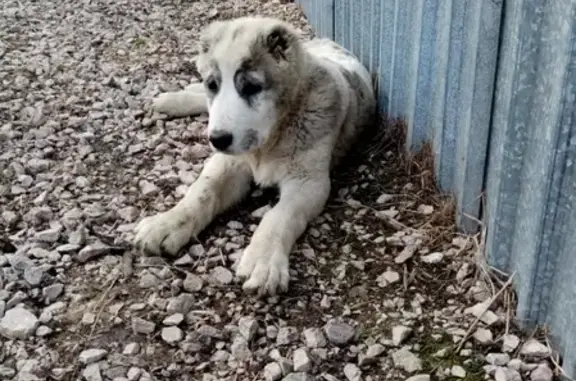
250 139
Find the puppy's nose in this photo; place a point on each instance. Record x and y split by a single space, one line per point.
221 140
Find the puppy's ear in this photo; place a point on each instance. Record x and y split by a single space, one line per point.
210 35
280 40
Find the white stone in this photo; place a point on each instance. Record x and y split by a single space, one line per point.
314 338
480 311
535 349
542 373
248 327
419 377
483 336
458 371
272 372
172 335
18 323
92 373
432 258
352 372
510 343
301 361
406 360
399 334
92 355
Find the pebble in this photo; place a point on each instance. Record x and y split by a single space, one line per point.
18 323
458 371
339 333
352 372
272 372
240 349
510 343
131 349
248 327
419 377
43 331
542 373
387 278
432 258
140 325
507 374
298 376
399 334
33 275
192 283
371 354
174 319
92 373
92 251
485 315
93 355
301 361
172 335
406 360
532 348
148 189
221 276
287 336
498 359
52 292
314 338
483 336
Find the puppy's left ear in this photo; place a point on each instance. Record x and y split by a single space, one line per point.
280 41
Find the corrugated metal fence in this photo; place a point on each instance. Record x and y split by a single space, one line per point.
492 85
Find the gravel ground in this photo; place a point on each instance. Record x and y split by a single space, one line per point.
382 287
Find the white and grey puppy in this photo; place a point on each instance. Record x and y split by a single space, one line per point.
282 111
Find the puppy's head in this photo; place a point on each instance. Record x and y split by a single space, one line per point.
248 66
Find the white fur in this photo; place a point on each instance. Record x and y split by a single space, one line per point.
299 140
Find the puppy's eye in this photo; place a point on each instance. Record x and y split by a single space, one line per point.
212 85
250 89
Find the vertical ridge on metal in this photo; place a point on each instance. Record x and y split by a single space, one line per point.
531 179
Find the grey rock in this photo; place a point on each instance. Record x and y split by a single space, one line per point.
18 323
419 377
272 372
248 327
542 373
131 349
352 372
314 338
221 276
140 325
92 251
240 349
400 333
339 333
172 335
33 275
92 373
298 376
483 336
92 355
371 355
498 359
510 343
458 371
43 331
432 258
52 292
181 304
406 360
507 374
192 283
174 319
301 360
287 336
534 349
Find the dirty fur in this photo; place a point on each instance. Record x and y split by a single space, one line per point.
282 112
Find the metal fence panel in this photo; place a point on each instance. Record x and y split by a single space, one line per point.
531 183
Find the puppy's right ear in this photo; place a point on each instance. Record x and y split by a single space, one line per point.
211 35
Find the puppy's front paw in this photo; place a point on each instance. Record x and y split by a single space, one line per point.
164 233
266 271
164 103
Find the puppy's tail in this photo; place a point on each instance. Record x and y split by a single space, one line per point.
189 102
